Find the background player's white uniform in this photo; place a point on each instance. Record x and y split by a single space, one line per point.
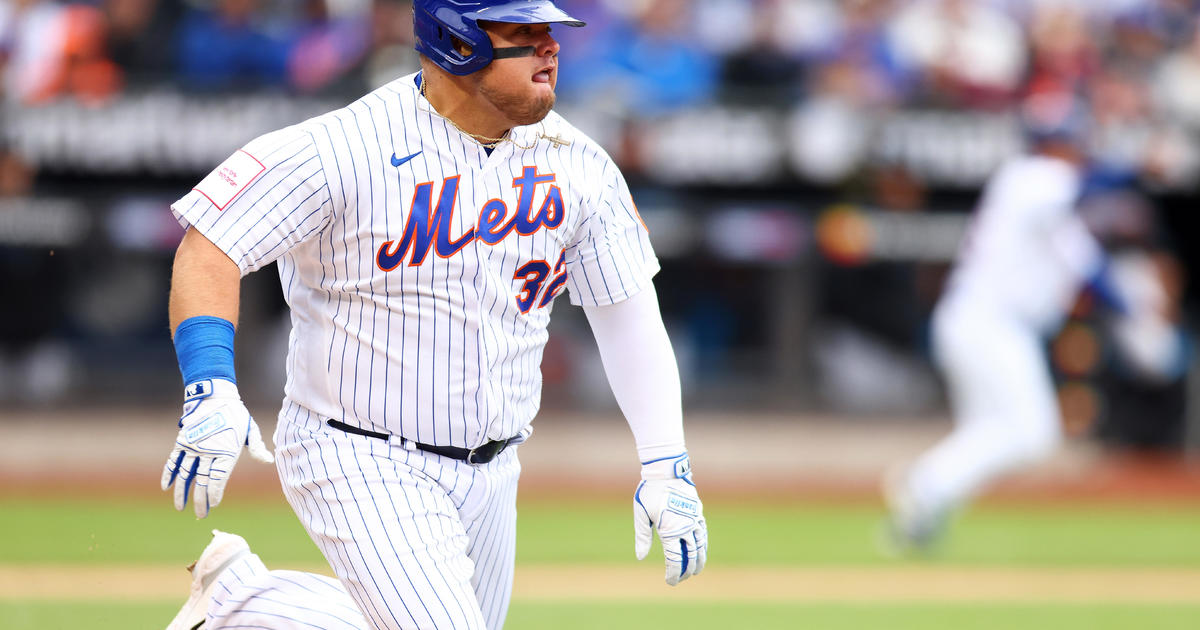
1021 265
420 271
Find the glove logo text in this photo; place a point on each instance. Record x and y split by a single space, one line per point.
210 425
683 504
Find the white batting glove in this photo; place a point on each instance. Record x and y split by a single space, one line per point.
1147 337
666 500
214 427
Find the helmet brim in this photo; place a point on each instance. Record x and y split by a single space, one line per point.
525 12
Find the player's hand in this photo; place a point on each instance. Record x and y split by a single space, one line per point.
666 501
214 427
1147 335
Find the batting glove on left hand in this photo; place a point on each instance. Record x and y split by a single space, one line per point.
214 427
666 500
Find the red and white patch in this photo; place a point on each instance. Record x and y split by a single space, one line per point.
230 178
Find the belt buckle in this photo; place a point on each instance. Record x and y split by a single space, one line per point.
488 454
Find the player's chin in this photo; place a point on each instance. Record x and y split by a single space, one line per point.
547 104
535 113
537 107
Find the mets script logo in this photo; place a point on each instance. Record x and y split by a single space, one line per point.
429 227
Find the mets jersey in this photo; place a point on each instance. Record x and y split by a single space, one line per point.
1027 252
420 269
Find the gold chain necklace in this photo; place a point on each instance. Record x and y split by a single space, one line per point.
482 140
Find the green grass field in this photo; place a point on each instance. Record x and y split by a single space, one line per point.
804 537
616 614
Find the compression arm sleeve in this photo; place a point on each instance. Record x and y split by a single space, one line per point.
642 372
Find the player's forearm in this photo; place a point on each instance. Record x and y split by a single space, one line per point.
204 281
1073 243
642 371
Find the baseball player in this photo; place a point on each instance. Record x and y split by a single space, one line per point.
421 234
1022 263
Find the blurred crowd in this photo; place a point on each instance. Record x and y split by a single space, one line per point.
92 50
1136 61
648 55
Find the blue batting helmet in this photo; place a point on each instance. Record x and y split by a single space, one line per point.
438 23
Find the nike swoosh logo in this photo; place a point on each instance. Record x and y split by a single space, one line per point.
401 161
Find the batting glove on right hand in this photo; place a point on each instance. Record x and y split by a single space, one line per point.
214 427
1146 334
666 500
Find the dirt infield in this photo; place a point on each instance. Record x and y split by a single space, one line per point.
582 583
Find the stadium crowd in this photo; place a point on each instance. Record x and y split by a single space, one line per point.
669 53
1136 61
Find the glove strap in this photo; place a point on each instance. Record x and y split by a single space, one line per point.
209 388
673 467
204 347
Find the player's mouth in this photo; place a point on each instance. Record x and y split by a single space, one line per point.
544 75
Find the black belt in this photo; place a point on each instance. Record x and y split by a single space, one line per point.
479 455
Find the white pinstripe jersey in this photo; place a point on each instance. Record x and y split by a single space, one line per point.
420 270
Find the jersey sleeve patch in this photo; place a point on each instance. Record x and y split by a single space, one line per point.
230 178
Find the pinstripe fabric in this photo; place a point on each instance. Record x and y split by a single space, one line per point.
418 540
421 273
248 596
440 351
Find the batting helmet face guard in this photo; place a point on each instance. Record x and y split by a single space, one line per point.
438 23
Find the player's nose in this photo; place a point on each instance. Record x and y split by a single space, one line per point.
547 46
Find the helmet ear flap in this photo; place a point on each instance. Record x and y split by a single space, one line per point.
450 39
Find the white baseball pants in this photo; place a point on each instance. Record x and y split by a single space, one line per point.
416 540
1002 398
